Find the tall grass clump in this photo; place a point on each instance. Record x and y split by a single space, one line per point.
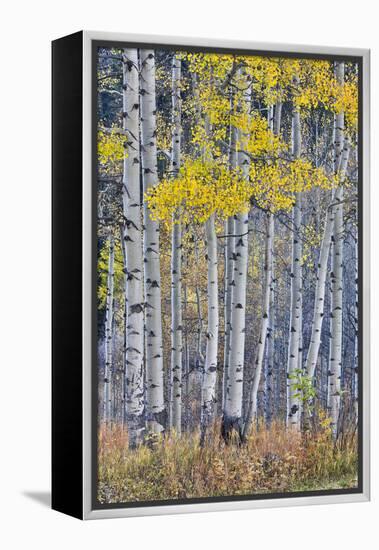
273 460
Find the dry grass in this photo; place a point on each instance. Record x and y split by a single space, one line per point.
273 460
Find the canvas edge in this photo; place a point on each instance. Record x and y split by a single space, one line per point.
88 512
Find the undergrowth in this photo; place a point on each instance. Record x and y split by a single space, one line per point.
273 460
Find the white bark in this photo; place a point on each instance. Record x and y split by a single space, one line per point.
186 353
176 285
228 291
335 348
318 311
356 341
233 403
109 334
319 300
293 402
274 120
270 373
228 275
176 331
208 390
199 339
232 418
270 395
133 242
267 291
125 314
152 278
293 406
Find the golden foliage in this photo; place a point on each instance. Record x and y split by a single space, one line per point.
273 185
201 189
110 147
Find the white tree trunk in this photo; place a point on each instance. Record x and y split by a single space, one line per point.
293 402
176 260
233 404
356 341
271 383
176 332
335 347
133 242
319 300
186 353
109 334
199 338
232 417
228 293
125 315
318 311
228 274
274 120
267 291
152 278
208 390
293 406
270 370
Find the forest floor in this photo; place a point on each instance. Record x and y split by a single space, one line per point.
273 460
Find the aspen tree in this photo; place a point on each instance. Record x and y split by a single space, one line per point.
124 316
274 118
176 262
356 341
252 408
232 417
209 380
318 310
109 333
293 404
229 272
208 390
152 277
133 245
335 348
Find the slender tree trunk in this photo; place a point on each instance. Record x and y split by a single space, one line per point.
293 403
300 354
335 347
270 372
232 417
252 408
176 275
272 376
318 311
229 274
133 240
176 329
228 289
208 391
273 371
125 314
274 120
356 342
186 357
152 278
109 334
199 336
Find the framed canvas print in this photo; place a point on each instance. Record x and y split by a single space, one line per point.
210 275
